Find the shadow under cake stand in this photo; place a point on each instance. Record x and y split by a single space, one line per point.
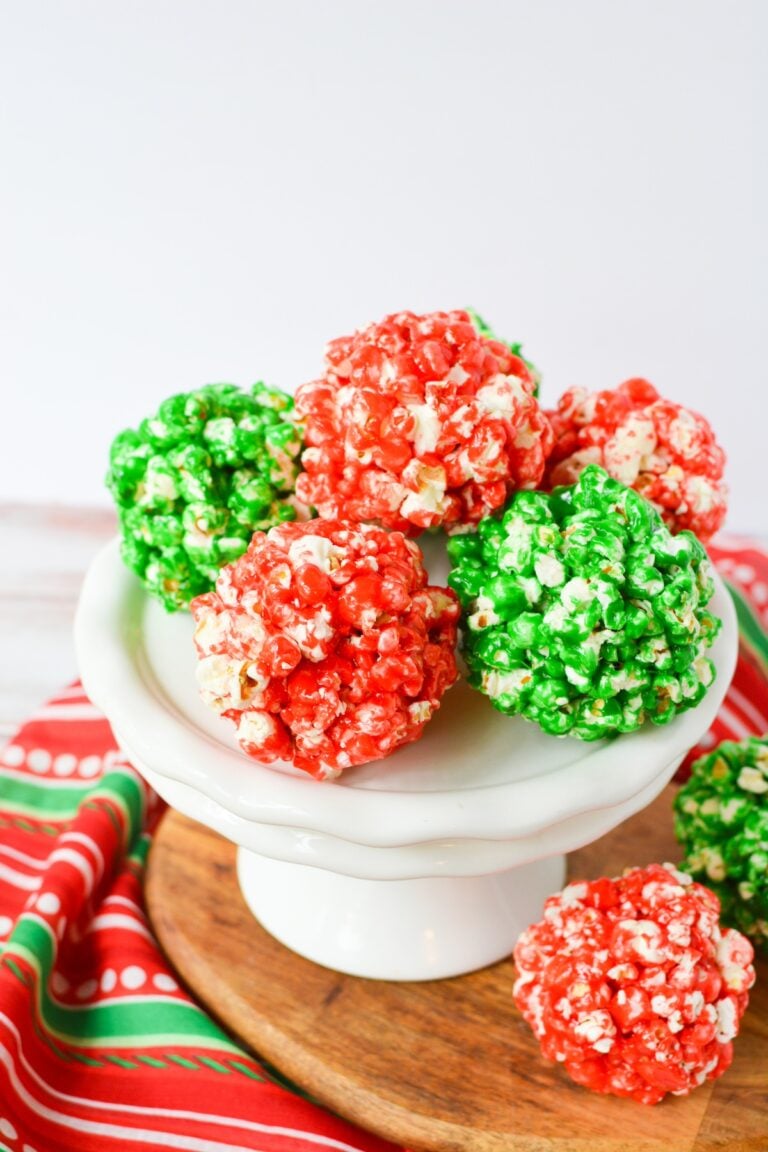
425 865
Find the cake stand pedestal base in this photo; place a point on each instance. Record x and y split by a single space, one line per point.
421 929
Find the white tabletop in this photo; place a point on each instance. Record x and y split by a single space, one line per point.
44 552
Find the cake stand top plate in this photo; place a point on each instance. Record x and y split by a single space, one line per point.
474 774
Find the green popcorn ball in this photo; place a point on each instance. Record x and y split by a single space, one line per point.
196 480
582 613
721 822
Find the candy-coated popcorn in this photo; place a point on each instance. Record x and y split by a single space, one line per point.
721 821
515 347
420 421
325 645
197 479
631 984
664 451
582 612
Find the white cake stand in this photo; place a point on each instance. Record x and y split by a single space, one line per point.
427 864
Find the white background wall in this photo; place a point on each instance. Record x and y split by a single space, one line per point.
196 190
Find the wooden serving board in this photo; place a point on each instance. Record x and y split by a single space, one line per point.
447 1065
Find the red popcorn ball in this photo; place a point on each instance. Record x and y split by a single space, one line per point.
632 985
325 644
664 451
420 421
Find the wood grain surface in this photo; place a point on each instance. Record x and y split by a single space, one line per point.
445 1065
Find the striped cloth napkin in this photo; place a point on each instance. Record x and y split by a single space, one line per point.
99 1046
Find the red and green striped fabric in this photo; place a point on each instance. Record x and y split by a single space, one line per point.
744 568
99 1047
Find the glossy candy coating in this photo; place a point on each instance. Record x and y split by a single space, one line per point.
632 985
582 612
418 422
721 821
515 347
325 645
197 479
664 451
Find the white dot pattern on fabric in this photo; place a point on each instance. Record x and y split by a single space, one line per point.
65 764
39 759
164 983
87 989
90 766
5 925
108 980
7 1129
744 573
59 983
132 977
13 755
48 903
760 592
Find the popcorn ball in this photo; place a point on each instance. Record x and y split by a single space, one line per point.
582 612
195 481
664 451
631 984
515 348
420 421
721 821
325 645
